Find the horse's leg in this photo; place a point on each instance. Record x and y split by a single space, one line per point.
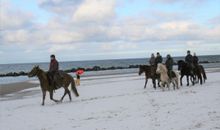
174 85
181 80
68 91
192 78
43 99
65 92
187 79
154 82
51 96
158 82
199 75
162 86
200 78
69 95
177 83
145 83
203 76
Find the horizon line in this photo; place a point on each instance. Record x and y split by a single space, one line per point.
96 60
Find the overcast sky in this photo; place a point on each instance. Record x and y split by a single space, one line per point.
73 30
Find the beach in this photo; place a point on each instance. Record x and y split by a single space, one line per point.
114 102
109 43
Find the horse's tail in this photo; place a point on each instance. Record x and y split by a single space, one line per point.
203 72
73 87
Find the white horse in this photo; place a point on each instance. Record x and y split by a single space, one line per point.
164 78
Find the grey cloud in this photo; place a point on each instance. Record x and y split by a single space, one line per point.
162 27
63 7
13 18
215 20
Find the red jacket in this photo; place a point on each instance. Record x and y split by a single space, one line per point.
54 66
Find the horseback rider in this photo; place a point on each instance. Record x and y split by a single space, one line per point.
152 60
189 59
158 59
53 70
169 65
195 59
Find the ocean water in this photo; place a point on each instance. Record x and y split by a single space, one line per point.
26 67
6 68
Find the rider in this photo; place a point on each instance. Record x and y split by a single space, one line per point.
189 59
158 59
195 59
169 65
152 60
53 70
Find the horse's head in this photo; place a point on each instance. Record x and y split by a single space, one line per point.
180 64
144 68
34 71
161 68
141 69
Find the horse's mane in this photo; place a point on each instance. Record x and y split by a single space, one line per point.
43 73
162 67
181 62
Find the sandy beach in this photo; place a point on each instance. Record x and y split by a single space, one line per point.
16 87
115 102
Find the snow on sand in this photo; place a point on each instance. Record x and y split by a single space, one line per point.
119 104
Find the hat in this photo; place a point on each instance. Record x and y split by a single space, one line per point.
52 56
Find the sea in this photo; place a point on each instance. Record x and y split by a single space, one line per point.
208 61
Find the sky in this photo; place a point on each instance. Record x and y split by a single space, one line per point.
73 30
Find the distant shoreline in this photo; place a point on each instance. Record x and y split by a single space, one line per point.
94 68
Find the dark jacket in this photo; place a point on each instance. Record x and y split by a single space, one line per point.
158 60
195 60
152 61
169 63
189 59
54 66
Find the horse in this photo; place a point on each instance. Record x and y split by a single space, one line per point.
150 72
185 70
202 71
165 79
45 86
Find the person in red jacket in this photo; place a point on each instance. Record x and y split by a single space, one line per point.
54 65
53 70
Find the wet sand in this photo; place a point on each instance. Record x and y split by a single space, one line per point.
15 87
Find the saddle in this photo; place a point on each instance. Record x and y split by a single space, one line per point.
173 74
55 79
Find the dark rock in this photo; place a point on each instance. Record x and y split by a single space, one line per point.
96 68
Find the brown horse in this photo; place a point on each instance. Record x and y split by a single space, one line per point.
44 83
150 72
